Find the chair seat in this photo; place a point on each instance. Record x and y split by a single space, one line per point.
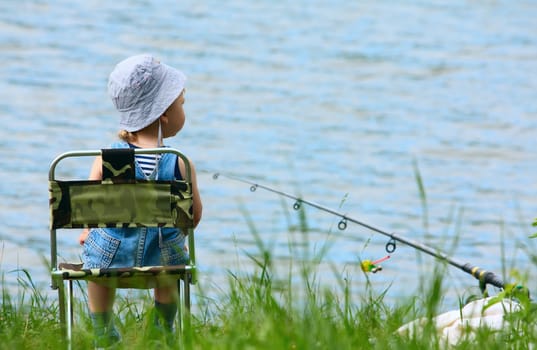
143 277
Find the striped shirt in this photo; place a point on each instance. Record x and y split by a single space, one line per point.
147 162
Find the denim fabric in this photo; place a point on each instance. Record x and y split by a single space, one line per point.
106 248
126 247
99 249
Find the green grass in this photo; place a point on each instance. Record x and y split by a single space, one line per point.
261 310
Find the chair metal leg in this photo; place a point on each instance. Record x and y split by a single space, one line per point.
183 306
186 297
61 302
69 313
179 306
62 310
186 288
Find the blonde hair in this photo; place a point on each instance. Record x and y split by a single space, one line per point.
126 136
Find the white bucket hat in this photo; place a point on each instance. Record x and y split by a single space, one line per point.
142 88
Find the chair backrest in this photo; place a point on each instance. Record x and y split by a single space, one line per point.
119 200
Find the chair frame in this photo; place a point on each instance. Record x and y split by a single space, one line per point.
64 272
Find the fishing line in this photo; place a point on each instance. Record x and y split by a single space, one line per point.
485 277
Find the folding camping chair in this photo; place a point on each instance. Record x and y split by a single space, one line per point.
119 200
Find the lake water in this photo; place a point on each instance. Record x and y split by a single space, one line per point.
330 100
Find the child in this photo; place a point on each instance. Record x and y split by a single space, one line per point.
149 96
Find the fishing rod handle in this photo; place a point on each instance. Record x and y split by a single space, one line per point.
484 276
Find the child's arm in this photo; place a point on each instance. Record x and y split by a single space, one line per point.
96 173
197 206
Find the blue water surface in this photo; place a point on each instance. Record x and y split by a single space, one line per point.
335 101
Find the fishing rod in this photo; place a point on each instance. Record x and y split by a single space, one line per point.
485 277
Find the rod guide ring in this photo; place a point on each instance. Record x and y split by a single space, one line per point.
391 246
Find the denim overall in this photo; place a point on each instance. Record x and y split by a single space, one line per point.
141 246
